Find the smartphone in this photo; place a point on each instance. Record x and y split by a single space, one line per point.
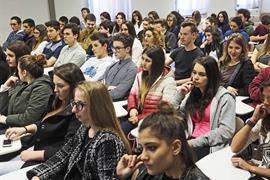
7 143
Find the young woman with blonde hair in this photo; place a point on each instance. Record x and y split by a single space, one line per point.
93 152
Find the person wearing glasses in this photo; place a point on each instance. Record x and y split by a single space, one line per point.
58 126
120 76
94 151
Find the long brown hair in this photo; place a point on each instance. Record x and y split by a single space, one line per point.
101 109
265 47
238 39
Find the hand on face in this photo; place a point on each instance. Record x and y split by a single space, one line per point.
186 88
260 112
11 81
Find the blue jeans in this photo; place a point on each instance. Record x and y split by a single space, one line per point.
127 126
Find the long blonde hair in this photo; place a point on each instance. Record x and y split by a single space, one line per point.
101 109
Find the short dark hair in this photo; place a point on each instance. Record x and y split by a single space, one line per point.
193 27
162 22
245 12
85 9
54 24
63 19
106 15
90 17
75 20
74 28
107 25
16 18
101 37
238 21
30 22
126 39
19 48
265 19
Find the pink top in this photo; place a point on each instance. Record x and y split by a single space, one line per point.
201 126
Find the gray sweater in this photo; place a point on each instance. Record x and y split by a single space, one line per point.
222 121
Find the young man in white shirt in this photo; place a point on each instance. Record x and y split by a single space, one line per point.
95 67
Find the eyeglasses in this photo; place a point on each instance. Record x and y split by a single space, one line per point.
117 48
78 105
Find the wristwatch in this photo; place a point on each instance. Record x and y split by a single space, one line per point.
250 123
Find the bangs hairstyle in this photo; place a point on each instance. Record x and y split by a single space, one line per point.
101 109
197 102
167 125
238 38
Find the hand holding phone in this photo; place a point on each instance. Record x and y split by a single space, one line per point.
7 143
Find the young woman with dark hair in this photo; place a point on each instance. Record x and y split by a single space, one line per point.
120 18
209 108
165 151
212 45
223 21
137 21
40 40
154 83
128 28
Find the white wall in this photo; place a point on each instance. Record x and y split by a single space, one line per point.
36 9
68 8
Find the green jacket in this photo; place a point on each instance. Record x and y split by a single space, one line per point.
248 27
27 103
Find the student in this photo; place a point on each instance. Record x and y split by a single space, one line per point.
254 88
256 128
154 83
236 26
56 128
170 38
209 108
184 56
119 19
153 15
137 21
4 69
40 40
28 28
95 67
147 22
223 21
106 27
120 76
84 12
14 51
165 151
72 52
172 24
26 99
55 45
93 152
244 14
260 33
16 34
153 37
261 55
86 33
128 28
63 20
212 45
236 68
105 16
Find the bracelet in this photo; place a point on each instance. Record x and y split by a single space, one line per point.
26 131
250 123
